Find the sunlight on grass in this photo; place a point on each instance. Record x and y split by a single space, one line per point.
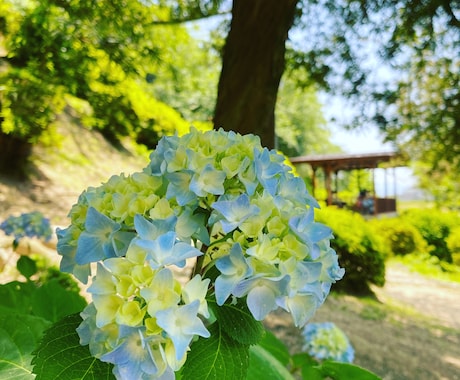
383 309
451 360
429 266
418 204
373 312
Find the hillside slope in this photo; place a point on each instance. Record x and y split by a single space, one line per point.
60 173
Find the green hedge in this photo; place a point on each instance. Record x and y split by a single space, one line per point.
435 226
453 244
360 250
363 245
400 236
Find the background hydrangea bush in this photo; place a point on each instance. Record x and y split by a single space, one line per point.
326 341
30 224
231 208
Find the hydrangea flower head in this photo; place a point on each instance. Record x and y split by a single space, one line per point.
32 224
325 341
216 200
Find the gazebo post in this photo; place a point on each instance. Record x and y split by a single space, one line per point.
313 180
394 182
374 195
327 179
336 182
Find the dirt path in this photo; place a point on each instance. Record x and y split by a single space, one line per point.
434 298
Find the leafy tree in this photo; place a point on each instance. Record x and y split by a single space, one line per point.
397 64
427 123
424 114
442 184
96 52
186 73
351 47
342 45
186 77
357 47
300 126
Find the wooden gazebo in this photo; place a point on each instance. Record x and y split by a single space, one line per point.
333 163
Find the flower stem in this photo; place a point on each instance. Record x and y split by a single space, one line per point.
199 261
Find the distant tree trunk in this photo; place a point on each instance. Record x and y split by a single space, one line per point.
253 63
14 154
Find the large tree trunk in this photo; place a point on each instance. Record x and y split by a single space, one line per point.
253 63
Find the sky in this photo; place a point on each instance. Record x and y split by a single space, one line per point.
363 141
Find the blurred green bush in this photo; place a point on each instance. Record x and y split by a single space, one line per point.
400 236
360 250
453 244
435 226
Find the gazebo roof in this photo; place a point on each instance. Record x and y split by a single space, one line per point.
335 162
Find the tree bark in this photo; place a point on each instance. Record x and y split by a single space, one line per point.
252 65
14 155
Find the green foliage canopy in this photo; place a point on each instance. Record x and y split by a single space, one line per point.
129 68
397 63
300 125
101 54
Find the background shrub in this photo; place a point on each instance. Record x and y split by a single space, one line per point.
400 237
453 244
435 227
360 250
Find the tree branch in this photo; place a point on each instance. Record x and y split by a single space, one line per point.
453 20
189 19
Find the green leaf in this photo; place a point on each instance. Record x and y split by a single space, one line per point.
52 301
345 371
307 365
19 335
275 347
311 372
263 365
216 358
238 322
26 266
16 295
302 358
13 365
60 355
